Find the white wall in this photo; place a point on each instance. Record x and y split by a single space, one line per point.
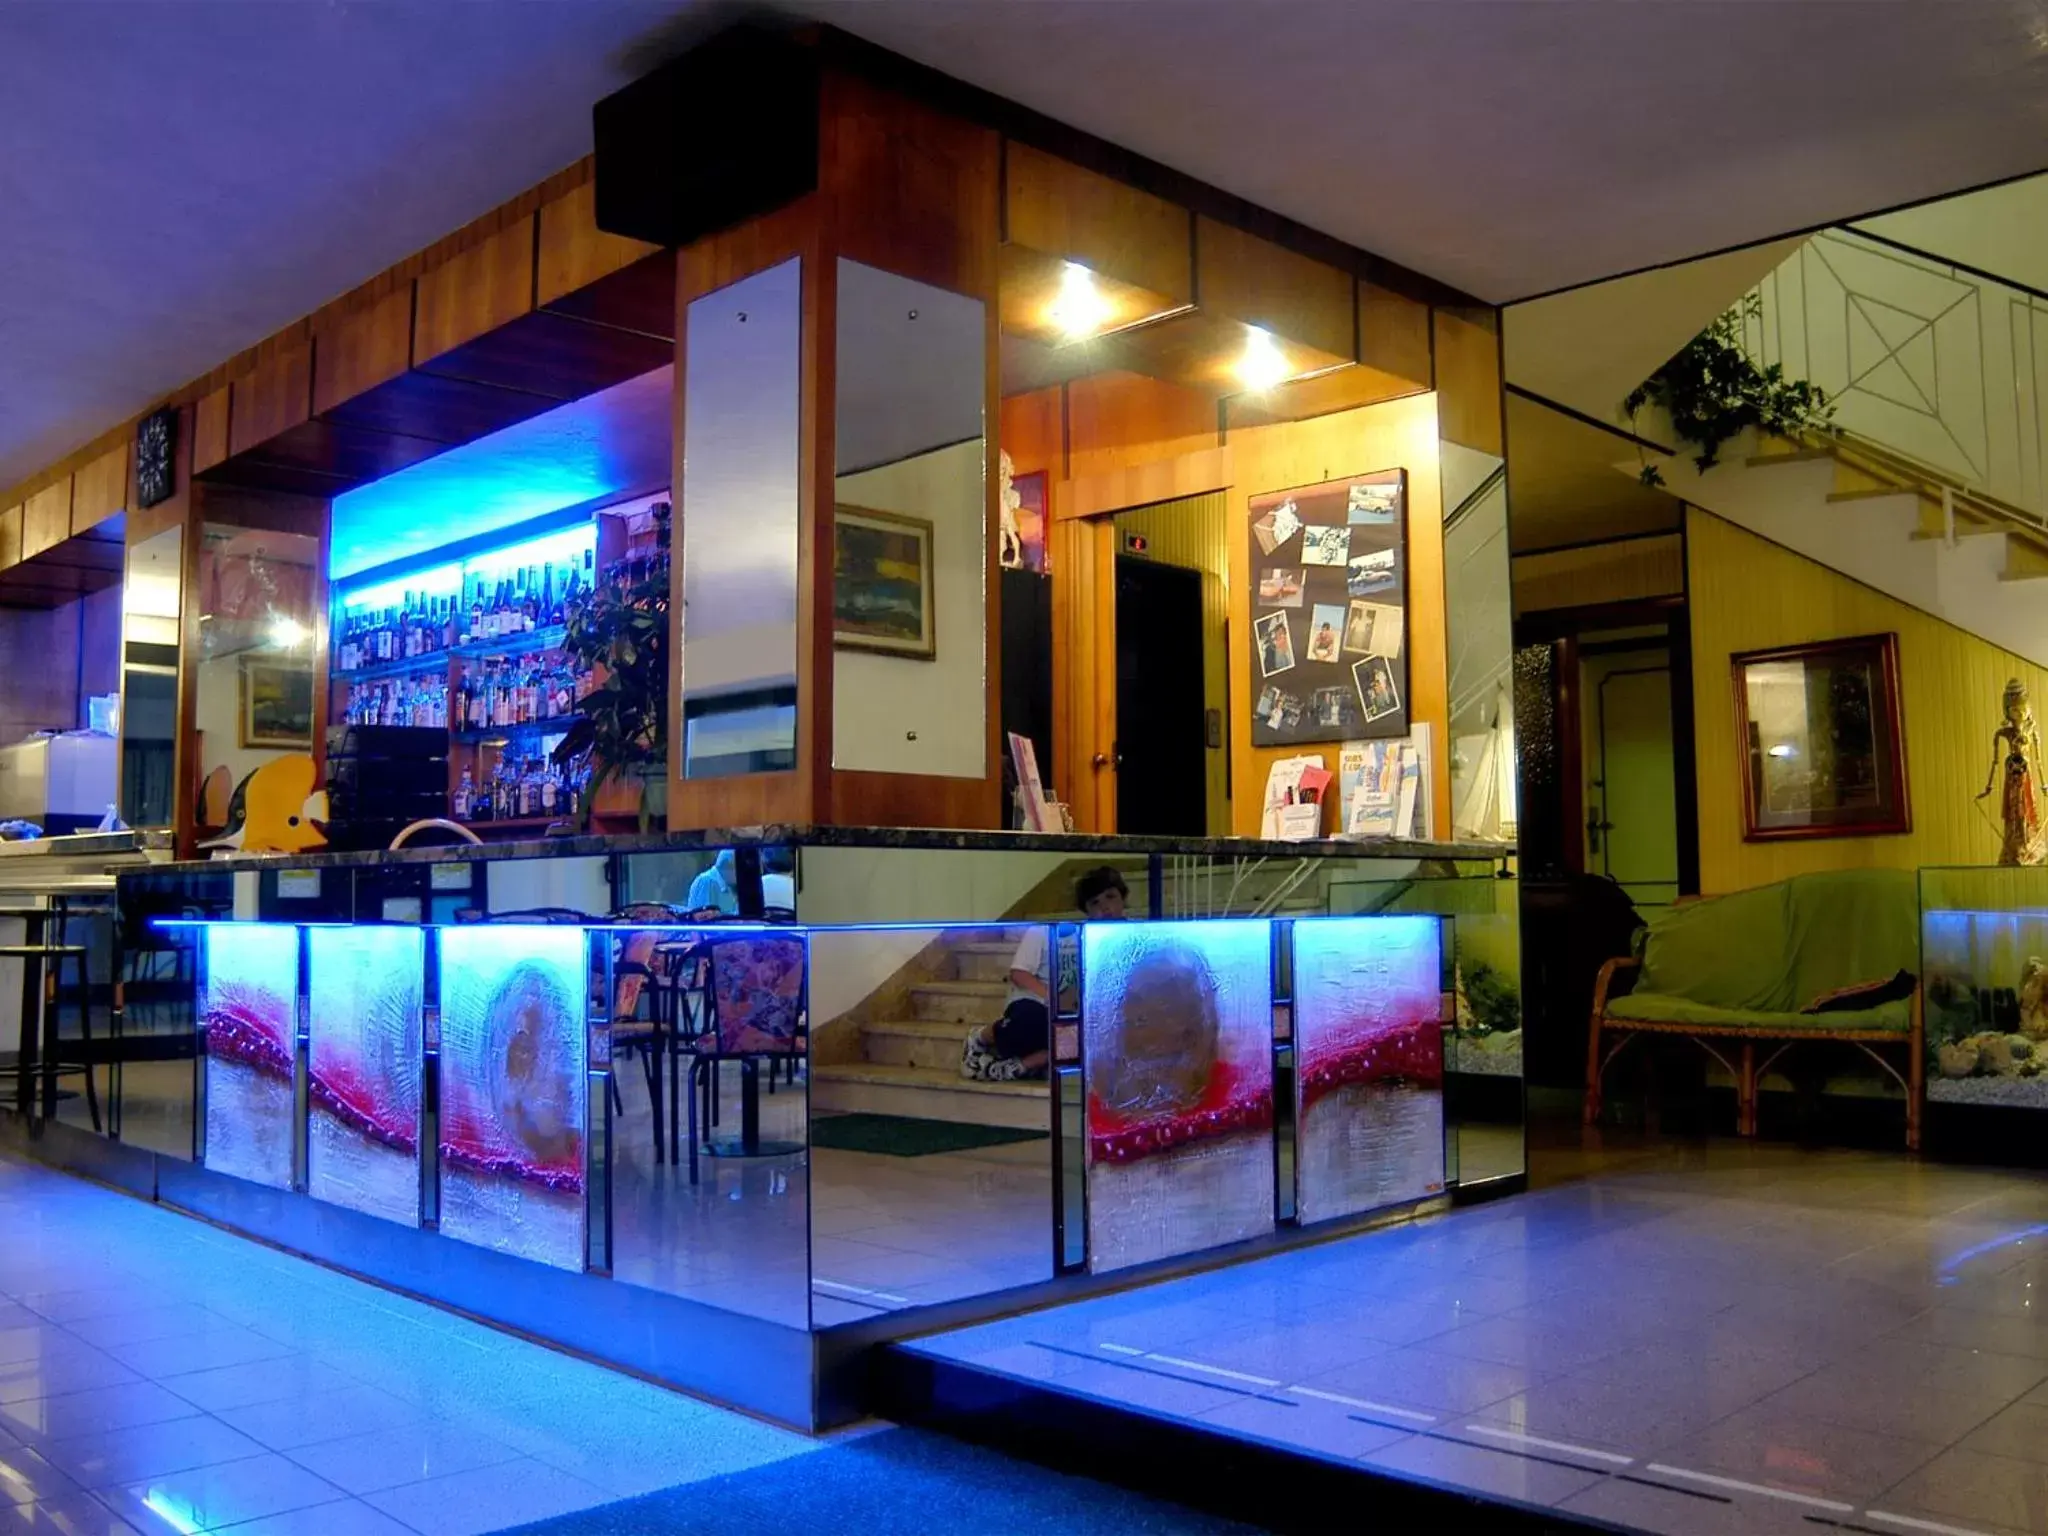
900 885
2000 230
519 885
218 712
1945 367
880 702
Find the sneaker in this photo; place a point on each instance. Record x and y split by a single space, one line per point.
1004 1069
976 1059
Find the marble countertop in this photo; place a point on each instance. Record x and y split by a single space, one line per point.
1108 845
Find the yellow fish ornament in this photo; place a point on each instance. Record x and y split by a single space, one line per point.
276 809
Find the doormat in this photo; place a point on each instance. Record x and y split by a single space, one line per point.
902 1136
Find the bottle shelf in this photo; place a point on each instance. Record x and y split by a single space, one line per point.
547 638
554 725
403 666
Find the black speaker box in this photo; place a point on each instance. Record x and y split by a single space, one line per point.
723 134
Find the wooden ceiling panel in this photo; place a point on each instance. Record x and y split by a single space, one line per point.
1114 230
554 355
1254 281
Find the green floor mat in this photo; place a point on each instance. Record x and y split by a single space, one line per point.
901 1136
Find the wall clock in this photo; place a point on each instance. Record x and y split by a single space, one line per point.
155 443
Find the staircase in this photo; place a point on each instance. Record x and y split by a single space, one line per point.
1880 519
911 1066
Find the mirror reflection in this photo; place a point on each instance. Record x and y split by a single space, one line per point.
258 600
149 679
910 528
740 502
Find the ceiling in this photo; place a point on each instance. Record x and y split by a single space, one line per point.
183 177
1564 486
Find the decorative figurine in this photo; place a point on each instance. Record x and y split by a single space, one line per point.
1010 549
2017 745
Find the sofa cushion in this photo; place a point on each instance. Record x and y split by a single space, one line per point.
1663 1008
1776 948
1725 952
1851 926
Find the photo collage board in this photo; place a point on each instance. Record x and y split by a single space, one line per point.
1329 568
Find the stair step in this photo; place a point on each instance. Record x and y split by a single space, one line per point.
933 1043
982 962
928 1093
960 1002
1873 493
1790 456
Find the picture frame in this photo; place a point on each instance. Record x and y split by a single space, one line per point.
882 588
1328 610
1821 740
277 703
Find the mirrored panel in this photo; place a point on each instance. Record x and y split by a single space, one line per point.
1479 631
741 499
909 557
965 885
149 678
708 1117
931 1152
259 595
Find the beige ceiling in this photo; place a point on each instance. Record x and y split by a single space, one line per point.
1587 348
180 178
1563 487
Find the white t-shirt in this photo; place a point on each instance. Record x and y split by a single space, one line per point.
1030 957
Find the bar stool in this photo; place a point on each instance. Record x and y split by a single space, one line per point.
42 999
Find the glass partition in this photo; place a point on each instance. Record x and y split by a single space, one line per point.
1984 984
741 499
829 1124
909 560
1479 635
930 1125
253 677
150 627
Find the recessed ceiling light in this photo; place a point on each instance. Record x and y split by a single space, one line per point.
1263 365
1080 309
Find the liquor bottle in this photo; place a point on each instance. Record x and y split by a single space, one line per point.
547 792
550 596
463 794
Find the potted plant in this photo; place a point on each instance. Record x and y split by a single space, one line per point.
1713 392
618 633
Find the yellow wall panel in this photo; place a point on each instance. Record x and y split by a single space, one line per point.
1748 594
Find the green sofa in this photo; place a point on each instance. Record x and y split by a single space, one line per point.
1732 972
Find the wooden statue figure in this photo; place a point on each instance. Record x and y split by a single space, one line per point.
2017 748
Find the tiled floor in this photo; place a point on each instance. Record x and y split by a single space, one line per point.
1735 1339
886 1232
159 1376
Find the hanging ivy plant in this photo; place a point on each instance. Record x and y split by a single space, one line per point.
1713 392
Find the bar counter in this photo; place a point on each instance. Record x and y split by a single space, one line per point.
693 1104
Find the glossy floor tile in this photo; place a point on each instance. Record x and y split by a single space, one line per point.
159 1376
1706 1339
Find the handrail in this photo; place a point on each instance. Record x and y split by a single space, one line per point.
1934 369
1872 457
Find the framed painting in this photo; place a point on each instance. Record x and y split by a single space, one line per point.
882 584
277 703
1822 741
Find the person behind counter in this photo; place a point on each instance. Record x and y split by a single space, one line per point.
717 890
1020 1042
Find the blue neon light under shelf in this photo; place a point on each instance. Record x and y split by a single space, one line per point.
549 638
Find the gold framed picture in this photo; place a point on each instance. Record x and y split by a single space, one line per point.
277 703
882 584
